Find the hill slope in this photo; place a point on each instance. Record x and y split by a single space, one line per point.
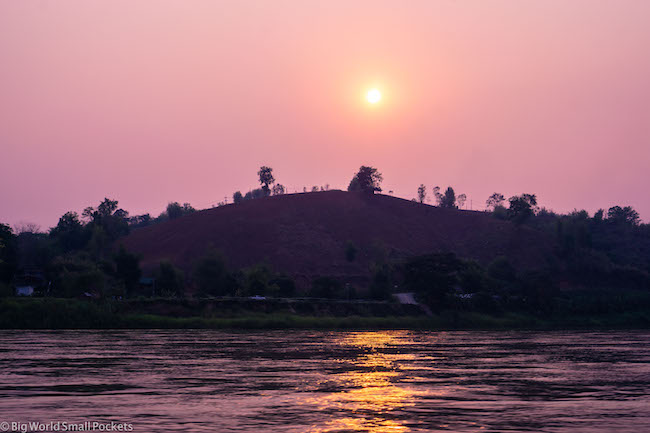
305 235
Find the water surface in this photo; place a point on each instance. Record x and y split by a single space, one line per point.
313 381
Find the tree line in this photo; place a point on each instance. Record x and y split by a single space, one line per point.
81 254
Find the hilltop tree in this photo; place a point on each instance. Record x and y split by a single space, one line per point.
367 180
256 193
623 215
237 197
522 207
495 200
461 199
266 179
437 195
448 200
175 210
422 193
278 189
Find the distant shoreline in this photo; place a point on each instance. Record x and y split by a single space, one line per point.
51 313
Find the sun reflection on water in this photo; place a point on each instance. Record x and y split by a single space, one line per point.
373 395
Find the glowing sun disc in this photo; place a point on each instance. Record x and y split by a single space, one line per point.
373 96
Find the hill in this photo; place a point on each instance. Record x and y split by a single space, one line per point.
305 235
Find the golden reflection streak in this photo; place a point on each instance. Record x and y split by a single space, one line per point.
374 388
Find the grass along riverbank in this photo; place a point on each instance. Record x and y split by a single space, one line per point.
52 313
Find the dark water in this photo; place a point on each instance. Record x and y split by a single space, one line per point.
302 381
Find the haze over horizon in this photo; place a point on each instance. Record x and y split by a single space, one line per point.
149 102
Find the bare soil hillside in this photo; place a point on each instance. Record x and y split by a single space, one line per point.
305 235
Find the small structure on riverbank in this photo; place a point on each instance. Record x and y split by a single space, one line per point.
24 290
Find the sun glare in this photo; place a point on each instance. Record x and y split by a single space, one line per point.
373 96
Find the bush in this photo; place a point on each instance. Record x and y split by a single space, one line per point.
212 276
257 282
381 285
127 268
472 278
432 276
500 212
326 287
73 275
286 287
501 269
170 280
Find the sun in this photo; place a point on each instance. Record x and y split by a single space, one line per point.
373 96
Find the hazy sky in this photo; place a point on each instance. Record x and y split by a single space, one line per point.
155 101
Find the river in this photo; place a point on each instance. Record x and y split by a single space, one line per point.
322 381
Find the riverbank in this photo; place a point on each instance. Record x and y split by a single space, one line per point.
53 313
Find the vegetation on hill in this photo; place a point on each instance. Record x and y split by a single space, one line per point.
348 246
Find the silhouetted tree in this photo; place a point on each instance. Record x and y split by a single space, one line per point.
437 195
623 215
8 253
496 199
237 197
599 215
522 207
112 221
367 180
174 210
422 193
106 208
26 227
35 250
141 220
69 234
278 189
256 193
449 199
461 199
266 179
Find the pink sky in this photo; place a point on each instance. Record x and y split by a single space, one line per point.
155 101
